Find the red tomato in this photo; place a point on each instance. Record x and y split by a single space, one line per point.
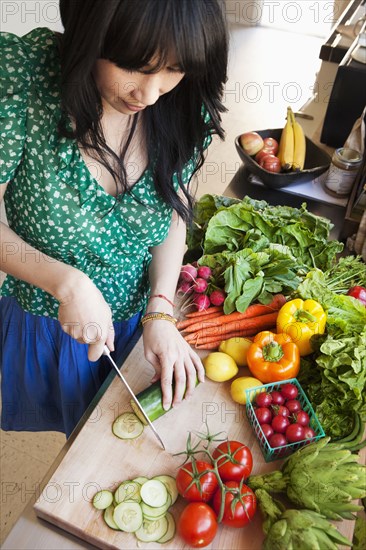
308 432
293 405
204 484
277 398
244 509
280 410
289 391
263 399
270 145
302 418
197 524
270 163
267 430
263 414
280 424
277 440
236 462
295 433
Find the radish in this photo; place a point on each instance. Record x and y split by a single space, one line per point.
202 301
200 285
217 297
188 273
204 271
184 288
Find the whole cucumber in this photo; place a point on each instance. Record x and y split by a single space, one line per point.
151 400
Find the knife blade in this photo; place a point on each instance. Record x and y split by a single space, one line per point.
107 353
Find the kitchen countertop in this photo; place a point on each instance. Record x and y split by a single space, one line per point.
31 532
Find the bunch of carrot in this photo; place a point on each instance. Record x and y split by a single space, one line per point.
207 329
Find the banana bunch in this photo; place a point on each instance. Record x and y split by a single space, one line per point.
324 477
292 148
303 530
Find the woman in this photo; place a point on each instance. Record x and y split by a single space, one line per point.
101 129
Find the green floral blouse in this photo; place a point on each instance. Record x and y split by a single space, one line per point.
54 203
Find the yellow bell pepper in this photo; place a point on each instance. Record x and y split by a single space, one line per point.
301 319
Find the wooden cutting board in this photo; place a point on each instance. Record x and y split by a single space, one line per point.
98 460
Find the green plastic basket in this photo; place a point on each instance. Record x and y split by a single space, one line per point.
275 453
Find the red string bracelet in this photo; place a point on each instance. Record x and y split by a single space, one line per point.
162 297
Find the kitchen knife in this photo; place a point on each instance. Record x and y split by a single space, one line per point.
136 401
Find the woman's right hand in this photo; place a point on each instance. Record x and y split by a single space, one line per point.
85 315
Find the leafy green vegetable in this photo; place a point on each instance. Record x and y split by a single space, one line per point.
345 314
203 211
256 224
247 275
336 383
347 272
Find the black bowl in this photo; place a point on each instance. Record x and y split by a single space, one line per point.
317 162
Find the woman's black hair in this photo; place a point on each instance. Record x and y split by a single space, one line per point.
131 34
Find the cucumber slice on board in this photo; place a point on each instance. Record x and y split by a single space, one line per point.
154 493
102 499
108 518
128 516
170 484
141 479
127 490
155 512
127 426
169 535
152 530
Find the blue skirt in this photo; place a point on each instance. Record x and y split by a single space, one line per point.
47 380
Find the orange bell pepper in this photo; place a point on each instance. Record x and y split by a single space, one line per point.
273 357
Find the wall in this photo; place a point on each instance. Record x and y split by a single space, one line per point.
21 16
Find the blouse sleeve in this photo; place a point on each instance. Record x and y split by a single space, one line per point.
14 85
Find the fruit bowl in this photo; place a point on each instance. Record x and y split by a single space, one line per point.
275 453
317 162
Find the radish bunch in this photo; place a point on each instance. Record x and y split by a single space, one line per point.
194 282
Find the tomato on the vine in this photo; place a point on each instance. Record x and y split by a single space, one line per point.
197 524
236 462
240 512
195 485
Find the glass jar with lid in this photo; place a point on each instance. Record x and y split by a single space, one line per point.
343 170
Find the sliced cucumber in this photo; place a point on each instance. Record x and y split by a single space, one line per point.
127 490
155 512
154 493
152 530
170 484
141 479
108 518
102 499
127 426
128 516
169 535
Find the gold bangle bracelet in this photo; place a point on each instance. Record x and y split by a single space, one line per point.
159 316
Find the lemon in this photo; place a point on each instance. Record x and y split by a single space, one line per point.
239 385
237 348
219 366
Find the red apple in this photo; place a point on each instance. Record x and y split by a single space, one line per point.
261 154
251 142
270 145
270 163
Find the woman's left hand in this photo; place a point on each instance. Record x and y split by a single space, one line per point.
173 360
